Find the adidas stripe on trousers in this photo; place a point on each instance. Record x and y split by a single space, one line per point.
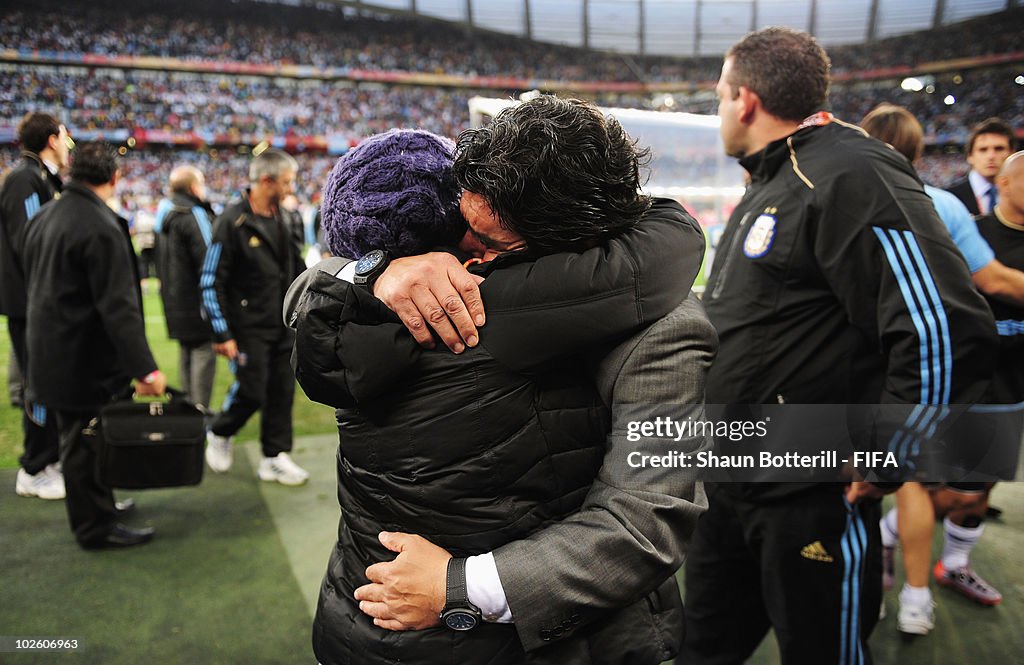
806 564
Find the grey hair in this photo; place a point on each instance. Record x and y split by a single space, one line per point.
272 163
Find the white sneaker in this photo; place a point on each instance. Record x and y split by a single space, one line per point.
219 453
55 471
916 620
282 469
46 484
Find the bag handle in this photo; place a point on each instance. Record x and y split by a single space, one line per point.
173 395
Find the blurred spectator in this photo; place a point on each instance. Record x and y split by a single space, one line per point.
185 233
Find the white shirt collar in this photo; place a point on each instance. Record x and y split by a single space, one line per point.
53 167
979 184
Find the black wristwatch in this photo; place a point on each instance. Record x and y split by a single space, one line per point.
370 267
458 612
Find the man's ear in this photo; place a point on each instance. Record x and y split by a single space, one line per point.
751 103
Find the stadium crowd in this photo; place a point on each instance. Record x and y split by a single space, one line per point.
221 104
248 105
323 36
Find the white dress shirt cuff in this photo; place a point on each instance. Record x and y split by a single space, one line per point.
483 587
348 273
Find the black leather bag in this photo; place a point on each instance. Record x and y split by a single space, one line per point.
146 445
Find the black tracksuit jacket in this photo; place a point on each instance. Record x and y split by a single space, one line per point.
27 188
250 264
837 283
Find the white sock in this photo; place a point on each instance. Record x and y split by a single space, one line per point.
960 540
918 596
890 530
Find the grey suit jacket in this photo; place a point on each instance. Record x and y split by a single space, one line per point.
630 535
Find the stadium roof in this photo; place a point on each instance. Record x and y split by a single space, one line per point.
692 27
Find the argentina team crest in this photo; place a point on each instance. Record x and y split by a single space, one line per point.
760 236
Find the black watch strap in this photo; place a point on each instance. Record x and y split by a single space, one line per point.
455 593
458 613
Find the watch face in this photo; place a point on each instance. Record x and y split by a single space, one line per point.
369 262
459 620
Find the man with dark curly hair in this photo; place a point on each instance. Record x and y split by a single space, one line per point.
537 161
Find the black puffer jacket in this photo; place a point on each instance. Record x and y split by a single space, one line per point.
181 248
475 450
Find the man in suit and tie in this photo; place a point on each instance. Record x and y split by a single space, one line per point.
990 143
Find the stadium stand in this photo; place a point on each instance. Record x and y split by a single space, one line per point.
204 76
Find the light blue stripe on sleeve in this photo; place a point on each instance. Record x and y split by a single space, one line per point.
908 299
206 282
916 281
940 314
32 205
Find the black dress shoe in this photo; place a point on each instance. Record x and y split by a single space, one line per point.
121 536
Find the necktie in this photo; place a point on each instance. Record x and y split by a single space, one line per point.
993 199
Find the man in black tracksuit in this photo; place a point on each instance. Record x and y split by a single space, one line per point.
185 234
836 283
28 187
87 337
252 260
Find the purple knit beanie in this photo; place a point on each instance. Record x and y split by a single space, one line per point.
394 191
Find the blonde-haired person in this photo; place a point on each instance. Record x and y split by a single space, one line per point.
912 521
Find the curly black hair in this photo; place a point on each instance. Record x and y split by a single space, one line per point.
557 172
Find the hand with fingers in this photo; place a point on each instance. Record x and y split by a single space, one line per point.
434 291
153 385
859 491
228 349
409 592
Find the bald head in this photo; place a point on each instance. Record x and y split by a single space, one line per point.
187 179
1010 181
1011 168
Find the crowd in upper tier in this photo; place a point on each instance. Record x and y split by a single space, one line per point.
334 37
